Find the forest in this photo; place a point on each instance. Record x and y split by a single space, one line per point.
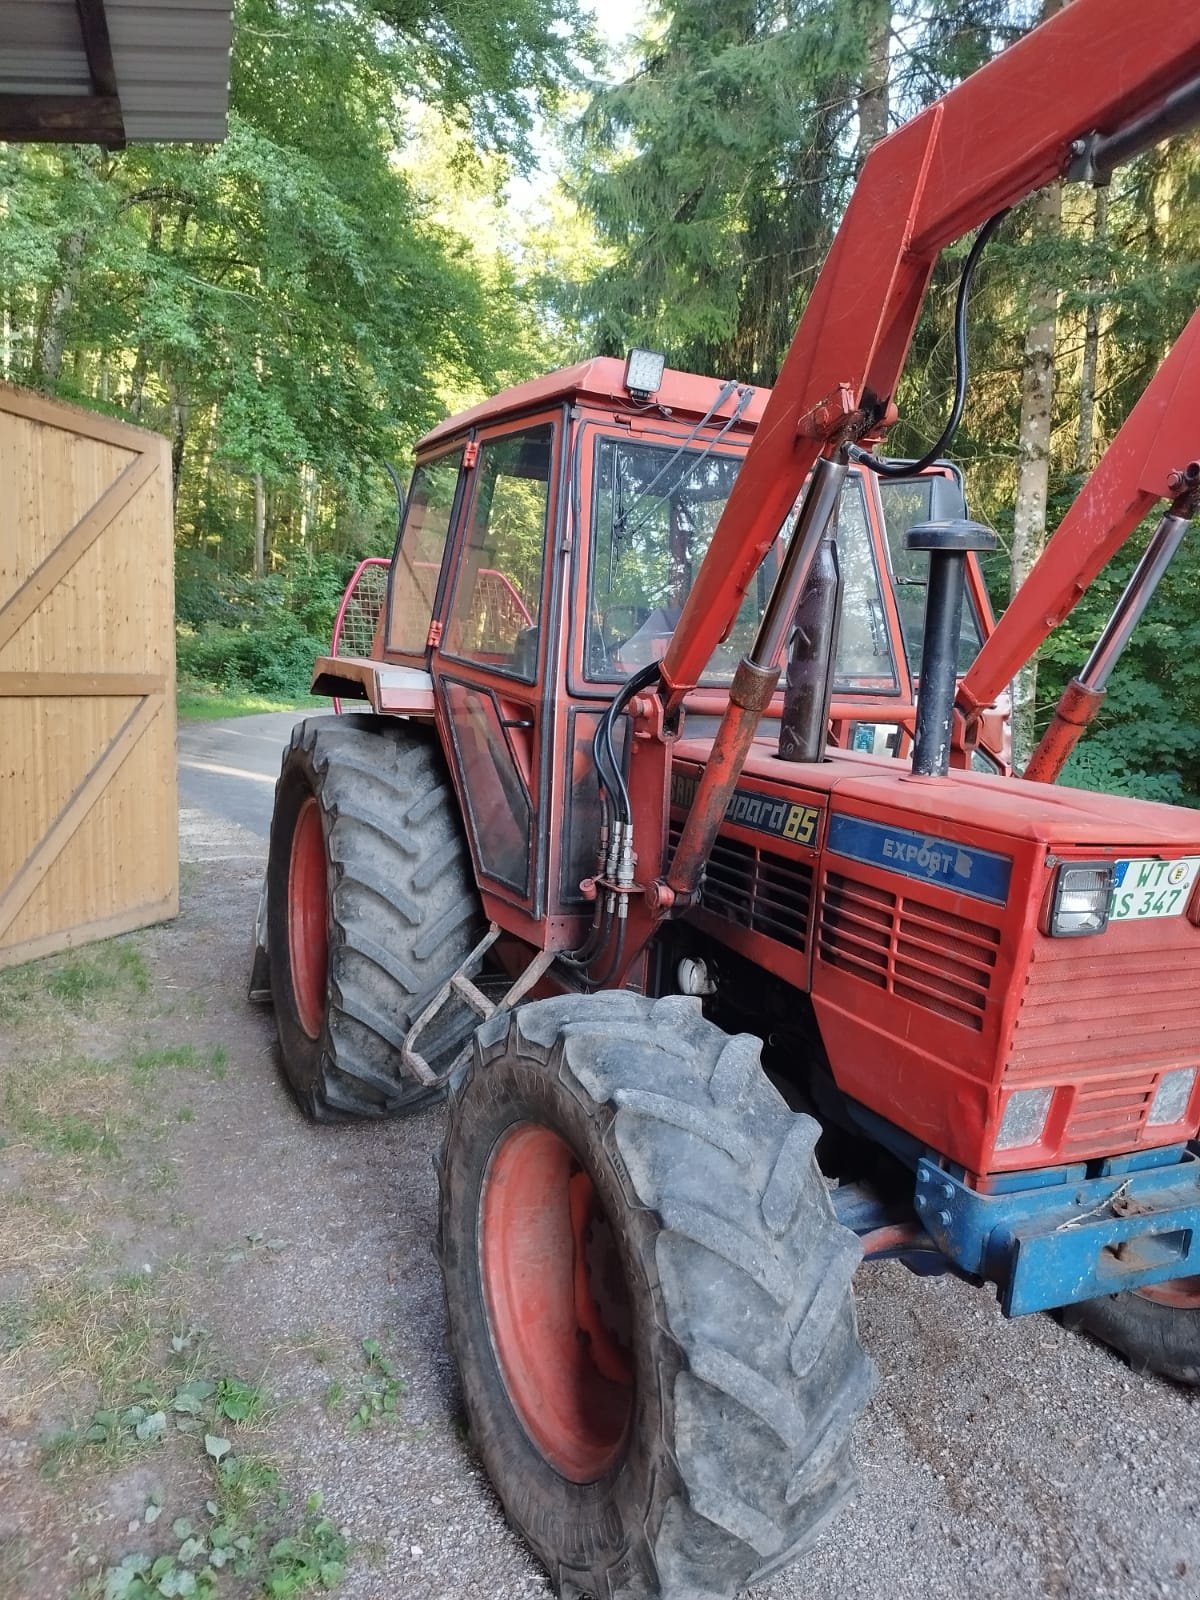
421 202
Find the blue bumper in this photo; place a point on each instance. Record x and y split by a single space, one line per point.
1055 1245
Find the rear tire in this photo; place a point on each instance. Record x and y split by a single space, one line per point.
1151 1335
678 1426
370 907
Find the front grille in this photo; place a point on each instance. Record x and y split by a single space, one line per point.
1093 1005
1108 1117
756 889
909 948
1109 1015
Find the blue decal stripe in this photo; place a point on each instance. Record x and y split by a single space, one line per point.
979 873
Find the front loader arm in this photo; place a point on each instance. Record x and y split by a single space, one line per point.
1004 132
1159 440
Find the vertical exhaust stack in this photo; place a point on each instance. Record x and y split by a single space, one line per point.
949 544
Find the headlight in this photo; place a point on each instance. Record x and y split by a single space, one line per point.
1171 1098
1024 1119
1081 899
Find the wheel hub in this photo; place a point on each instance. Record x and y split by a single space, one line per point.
308 918
557 1302
1181 1294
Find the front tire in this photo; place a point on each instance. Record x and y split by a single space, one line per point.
1155 1329
649 1298
370 908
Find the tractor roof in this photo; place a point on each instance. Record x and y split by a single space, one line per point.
600 381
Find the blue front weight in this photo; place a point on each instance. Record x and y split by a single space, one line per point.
1059 1244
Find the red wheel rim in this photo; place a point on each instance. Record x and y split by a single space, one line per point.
1183 1294
557 1302
308 932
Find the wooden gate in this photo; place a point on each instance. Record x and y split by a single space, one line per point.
88 829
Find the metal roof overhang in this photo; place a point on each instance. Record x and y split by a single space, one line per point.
114 72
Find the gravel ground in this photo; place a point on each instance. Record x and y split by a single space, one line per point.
998 1459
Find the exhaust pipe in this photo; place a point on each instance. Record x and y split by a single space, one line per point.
949 544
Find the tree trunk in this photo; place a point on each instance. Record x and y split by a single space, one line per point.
1033 449
52 335
260 526
1033 477
873 93
179 426
1085 438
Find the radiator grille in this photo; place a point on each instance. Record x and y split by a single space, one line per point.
756 889
909 948
1108 1015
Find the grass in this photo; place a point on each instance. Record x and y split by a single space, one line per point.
214 1061
76 981
79 1336
198 702
71 1106
103 1363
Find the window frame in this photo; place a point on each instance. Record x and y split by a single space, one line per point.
891 623
465 507
602 435
456 446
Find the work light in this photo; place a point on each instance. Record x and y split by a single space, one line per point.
1024 1119
644 372
1171 1098
1082 892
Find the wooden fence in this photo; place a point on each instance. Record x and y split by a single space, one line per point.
88 830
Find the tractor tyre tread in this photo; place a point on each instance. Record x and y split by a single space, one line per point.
396 932
1152 1337
753 1456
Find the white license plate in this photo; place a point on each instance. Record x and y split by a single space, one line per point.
1147 887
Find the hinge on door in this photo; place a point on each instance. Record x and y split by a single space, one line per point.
470 452
434 637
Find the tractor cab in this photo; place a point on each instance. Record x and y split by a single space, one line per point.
550 539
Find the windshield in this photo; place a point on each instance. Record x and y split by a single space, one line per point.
654 518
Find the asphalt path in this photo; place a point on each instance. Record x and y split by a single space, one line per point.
228 769
998 1458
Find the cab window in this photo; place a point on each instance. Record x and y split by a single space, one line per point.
864 651
496 609
418 559
655 511
656 508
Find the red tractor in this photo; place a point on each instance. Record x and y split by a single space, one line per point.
679 844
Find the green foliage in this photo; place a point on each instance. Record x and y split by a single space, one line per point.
376 1396
1146 739
289 307
715 172
258 635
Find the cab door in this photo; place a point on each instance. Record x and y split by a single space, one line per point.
415 575
492 656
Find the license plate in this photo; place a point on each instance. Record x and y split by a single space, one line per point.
1147 887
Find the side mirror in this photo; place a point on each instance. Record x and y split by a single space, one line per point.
947 500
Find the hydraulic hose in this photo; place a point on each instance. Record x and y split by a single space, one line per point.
884 468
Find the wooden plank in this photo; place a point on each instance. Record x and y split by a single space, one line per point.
124 921
75 419
82 536
77 807
33 685
62 118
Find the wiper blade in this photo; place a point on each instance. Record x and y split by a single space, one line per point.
747 394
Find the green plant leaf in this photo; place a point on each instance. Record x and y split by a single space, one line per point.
217 1447
152 1427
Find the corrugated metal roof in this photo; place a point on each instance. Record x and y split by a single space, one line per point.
169 66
